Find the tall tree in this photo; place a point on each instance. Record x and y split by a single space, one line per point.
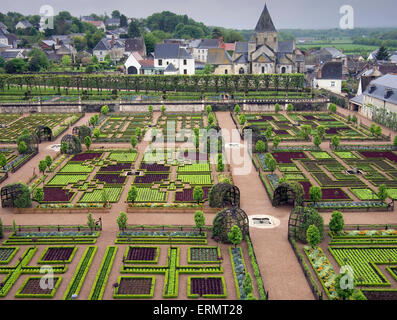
133 29
383 54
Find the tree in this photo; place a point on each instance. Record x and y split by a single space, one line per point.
48 160
24 200
150 109
16 66
197 141
64 147
90 221
198 194
3 160
260 146
163 109
290 107
87 142
317 141
269 132
242 119
372 129
395 141
37 60
270 162
133 29
96 133
335 140
313 236
211 119
220 167
1 229
42 166
132 194
133 141
105 110
22 147
332 107
346 292
378 131
247 285
235 235
66 61
237 109
383 54
382 192
199 219
336 224
38 194
306 131
122 221
277 108
321 131
208 109
315 193
354 119
276 141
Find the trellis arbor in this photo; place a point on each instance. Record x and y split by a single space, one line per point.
15 195
256 135
44 133
223 195
82 132
163 83
290 193
226 219
70 144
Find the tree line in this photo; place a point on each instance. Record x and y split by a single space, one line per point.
182 83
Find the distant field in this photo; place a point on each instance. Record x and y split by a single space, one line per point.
343 45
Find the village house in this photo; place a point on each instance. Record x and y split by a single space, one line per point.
330 77
173 59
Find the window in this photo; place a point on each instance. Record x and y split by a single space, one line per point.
160 62
185 71
275 39
332 83
241 71
185 62
168 63
263 69
226 71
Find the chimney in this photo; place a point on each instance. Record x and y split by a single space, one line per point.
57 41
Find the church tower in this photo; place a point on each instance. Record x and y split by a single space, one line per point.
265 32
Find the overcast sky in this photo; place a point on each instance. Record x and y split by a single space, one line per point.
238 14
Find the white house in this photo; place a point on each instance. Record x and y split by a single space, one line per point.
23 25
330 77
114 48
200 53
172 54
381 93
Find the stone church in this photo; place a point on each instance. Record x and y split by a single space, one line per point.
264 53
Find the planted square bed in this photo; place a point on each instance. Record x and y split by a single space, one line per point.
142 254
57 255
86 156
135 287
204 255
211 287
364 194
32 288
7 253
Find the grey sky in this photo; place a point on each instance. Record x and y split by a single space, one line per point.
305 14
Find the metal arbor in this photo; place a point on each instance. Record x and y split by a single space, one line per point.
82 132
73 144
296 223
290 193
223 195
226 219
9 194
44 133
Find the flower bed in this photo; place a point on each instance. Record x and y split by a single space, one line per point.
110 178
286 157
364 194
32 288
7 253
144 255
239 270
187 195
57 255
57 194
211 287
151 178
86 156
135 287
113 194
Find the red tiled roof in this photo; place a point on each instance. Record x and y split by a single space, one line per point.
146 63
96 23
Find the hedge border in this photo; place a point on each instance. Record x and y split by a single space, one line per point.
30 295
16 249
41 261
208 296
136 296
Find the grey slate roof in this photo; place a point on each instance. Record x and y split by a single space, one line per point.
134 44
170 51
378 88
332 70
241 47
102 45
358 99
2 34
208 44
171 68
9 54
112 21
242 59
265 23
286 46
